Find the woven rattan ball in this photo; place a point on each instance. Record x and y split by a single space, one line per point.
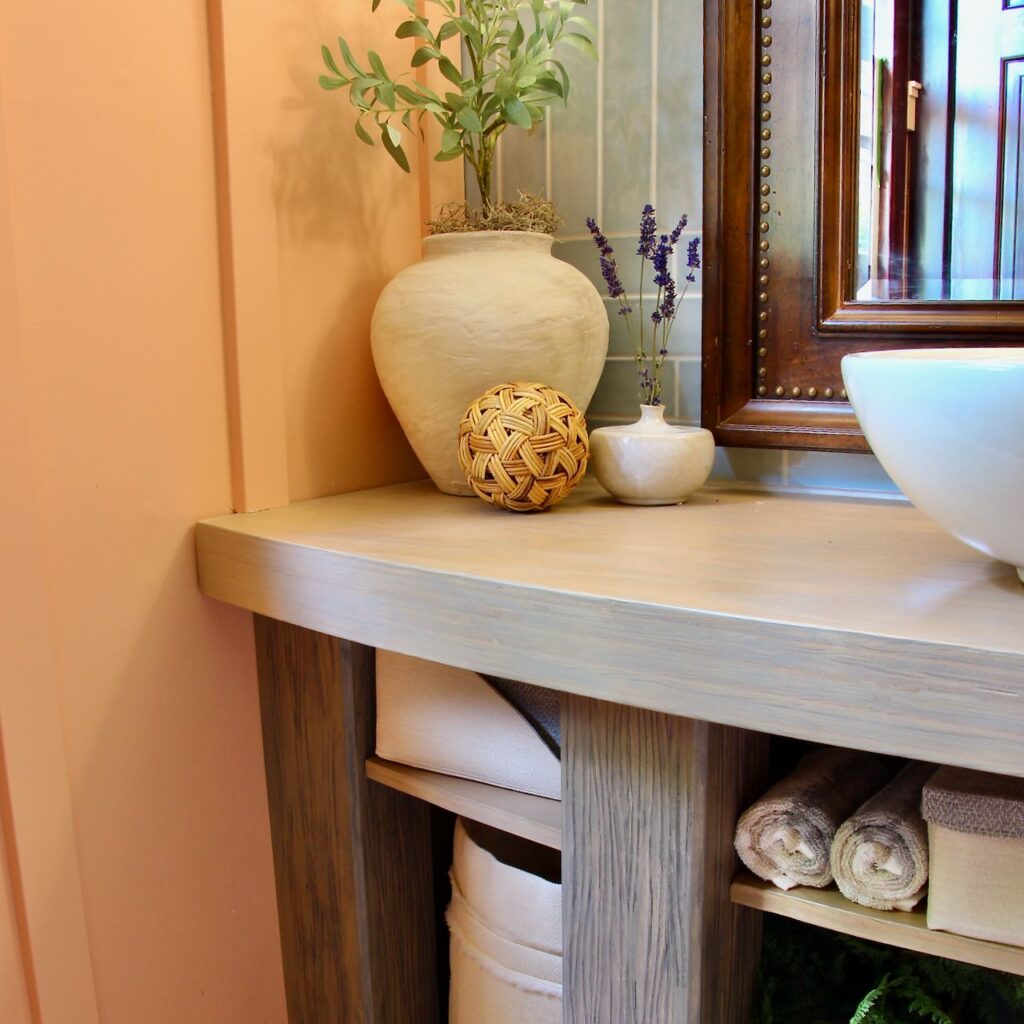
523 447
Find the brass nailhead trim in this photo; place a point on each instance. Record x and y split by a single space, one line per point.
780 391
762 391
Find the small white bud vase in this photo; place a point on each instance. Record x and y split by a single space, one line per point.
652 462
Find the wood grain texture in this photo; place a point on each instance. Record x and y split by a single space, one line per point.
828 908
855 623
648 933
532 817
352 859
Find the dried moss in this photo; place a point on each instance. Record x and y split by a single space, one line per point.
527 213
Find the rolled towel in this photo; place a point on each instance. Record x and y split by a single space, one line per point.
880 855
786 836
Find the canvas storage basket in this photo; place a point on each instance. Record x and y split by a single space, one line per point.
456 722
976 854
505 919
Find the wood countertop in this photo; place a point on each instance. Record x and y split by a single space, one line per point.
850 622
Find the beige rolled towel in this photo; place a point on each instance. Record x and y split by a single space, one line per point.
786 836
880 855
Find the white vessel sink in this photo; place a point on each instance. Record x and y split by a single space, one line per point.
948 426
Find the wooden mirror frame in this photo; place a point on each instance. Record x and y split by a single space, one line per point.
780 185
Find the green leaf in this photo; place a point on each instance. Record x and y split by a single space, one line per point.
450 71
376 64
516 113
363 134
329 61
410 96
392 137
469 120
386 94
346 54
331 83
453 154
423 54
448 29
451 141
550 84
581 43
584 23
516 39
415 27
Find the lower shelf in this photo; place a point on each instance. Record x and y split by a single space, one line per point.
539 819
828 908
532 817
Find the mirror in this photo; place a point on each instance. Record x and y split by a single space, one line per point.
863 175
940 209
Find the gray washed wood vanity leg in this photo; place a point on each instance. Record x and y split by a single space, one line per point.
352 859
649 802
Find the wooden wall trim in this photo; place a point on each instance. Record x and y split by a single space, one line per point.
250 287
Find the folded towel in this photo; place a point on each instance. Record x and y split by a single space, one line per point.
880 855
786 836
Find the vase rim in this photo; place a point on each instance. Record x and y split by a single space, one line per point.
491 233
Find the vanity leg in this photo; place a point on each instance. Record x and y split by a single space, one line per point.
649 805
352 859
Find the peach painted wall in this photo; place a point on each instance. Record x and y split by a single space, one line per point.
110 184
319 223
194 244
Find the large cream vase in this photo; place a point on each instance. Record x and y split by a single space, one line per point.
480 309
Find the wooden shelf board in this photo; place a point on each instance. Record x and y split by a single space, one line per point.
828 908
531 817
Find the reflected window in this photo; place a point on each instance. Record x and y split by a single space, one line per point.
941 162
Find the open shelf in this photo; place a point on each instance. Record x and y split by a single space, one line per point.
532 817
828 908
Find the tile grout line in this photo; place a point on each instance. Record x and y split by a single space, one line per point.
599 133
548 164
654 104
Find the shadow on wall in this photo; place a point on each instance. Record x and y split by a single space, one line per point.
348 220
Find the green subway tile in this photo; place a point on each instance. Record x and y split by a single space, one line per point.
680 107
574 141
839 471
523 159
618 394
688 389
763 466
627 128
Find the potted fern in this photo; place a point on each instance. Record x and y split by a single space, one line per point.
488 303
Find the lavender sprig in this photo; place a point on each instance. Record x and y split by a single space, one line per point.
658 250
648 233
609 268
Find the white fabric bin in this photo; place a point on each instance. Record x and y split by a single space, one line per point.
455 722
506 930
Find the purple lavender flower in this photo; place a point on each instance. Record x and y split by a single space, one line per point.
693 258
648 233
662 251
667 309
678 230
609 268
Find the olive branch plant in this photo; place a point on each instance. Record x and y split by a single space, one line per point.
510 75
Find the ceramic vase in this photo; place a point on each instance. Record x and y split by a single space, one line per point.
651 462
480 309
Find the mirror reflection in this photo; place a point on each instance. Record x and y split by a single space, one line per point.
941 160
